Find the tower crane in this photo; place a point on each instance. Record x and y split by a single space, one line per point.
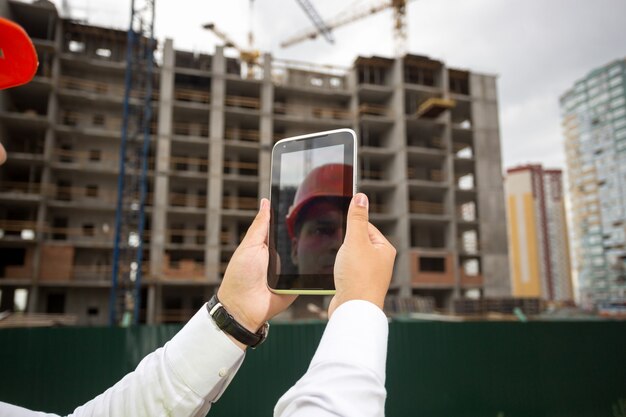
250 55
317 20
342 19
125 297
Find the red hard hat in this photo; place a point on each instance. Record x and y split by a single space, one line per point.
18 59
330 180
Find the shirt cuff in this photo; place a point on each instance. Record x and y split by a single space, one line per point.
356 333
203 356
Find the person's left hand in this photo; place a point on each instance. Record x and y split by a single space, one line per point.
244 292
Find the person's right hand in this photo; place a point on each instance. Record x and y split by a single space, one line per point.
364 263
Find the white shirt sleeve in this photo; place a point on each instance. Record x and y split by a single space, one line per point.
347 373
181 379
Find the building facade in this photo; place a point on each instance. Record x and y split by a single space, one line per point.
594 126
432 172
538 237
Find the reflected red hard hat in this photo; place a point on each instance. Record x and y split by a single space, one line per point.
330 180
18 59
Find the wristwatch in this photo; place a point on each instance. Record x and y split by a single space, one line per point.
227 323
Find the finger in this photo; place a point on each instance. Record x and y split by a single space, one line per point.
257 232
356 227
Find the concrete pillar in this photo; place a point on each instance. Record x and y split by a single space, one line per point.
49 144
216 163
161 175
450 202
266 127
352 86
400 203
489 183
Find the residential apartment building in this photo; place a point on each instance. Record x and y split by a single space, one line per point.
594 126
432 169
538 237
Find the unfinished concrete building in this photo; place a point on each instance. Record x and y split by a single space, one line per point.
429 161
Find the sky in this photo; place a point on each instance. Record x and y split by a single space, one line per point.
537 48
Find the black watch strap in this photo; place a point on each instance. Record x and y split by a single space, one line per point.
227 323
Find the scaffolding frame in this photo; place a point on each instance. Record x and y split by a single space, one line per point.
125 298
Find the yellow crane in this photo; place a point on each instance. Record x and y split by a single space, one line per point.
250 55
342 19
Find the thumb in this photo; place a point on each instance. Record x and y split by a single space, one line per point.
257 232
358 218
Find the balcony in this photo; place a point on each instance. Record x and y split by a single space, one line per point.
236 134
428 208
20 191
182 165
101 89
185 200
242 103
313 113
26 119
241 168
97 123
100 275
86 235
18 230
240 203
181 237
191 129
183 268
426 175
92 160
375 110
186 95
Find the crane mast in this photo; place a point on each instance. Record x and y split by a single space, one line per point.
125 297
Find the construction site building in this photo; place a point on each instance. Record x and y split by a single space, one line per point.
538 236
429 160
593 115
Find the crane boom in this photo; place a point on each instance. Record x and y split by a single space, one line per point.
317 20
338 22
399 26
228 42
249 56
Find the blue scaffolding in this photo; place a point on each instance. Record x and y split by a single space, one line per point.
125 297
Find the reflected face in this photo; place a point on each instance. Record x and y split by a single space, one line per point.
315 246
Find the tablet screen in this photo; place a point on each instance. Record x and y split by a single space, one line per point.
312 184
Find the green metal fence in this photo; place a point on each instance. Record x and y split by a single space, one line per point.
434 369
